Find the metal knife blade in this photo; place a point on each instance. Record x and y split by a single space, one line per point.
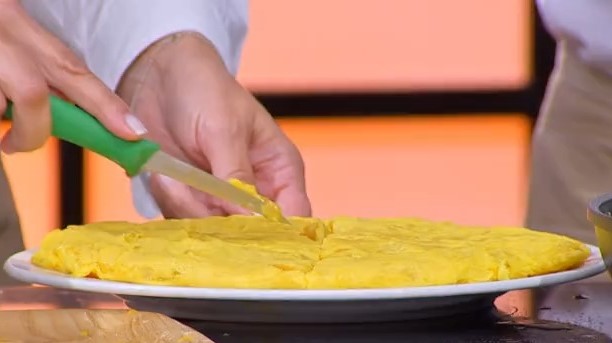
165 164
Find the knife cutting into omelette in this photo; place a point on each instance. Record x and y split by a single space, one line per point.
74 125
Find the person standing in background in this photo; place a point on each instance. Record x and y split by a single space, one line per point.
572 143
172 65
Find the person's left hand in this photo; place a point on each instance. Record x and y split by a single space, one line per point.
196 110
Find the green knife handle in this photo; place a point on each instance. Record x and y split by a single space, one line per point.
72 124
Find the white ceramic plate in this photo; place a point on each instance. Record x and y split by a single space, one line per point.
301 306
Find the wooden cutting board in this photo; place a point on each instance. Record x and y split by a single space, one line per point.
77 325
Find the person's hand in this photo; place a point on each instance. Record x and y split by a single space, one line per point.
196 110
34 64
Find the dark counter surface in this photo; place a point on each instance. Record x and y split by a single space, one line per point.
579 312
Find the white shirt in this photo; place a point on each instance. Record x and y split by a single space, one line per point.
109 34
586 25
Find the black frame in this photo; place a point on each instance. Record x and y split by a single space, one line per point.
526 100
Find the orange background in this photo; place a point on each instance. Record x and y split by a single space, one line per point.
364 45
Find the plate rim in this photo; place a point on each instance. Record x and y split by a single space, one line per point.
19 267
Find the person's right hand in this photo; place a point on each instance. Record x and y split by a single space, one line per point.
34 64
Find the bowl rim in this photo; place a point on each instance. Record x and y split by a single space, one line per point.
595 214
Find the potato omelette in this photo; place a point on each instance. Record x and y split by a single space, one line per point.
340 253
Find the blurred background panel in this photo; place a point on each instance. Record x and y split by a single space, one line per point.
469 169
34 182
465 168
387 45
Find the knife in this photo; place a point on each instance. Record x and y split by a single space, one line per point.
72 124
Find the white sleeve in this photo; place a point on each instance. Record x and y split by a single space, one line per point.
109 34
585 24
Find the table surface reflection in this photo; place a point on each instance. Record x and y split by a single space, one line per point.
579 312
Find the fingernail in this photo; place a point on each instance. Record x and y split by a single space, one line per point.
135 124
